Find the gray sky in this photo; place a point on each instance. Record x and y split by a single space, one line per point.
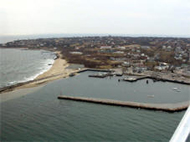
160 17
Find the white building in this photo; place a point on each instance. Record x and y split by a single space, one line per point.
105 47
76 53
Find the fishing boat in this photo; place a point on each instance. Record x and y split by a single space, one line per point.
176 89
150 96
130 79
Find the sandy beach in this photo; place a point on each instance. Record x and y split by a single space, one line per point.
59 67
57 71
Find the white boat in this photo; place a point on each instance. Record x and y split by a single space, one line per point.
129 79
176 89
150 96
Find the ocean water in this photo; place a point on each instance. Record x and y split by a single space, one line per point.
20 65
40 116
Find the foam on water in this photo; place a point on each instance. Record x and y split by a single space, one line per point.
47 65
23 65
43 69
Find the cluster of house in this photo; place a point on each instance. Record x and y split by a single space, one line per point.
180 53
135 58
140 58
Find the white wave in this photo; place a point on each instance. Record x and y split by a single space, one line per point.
46 66
32 65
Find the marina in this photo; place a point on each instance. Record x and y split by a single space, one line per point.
40 116
133 77
121 99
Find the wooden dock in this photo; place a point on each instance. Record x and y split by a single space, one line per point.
157 107
98 75
155 79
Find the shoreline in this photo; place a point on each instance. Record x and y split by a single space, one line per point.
9 95
57 71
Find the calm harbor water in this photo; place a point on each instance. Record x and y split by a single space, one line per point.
40 116
19 65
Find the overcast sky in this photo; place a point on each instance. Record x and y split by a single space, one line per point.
154 17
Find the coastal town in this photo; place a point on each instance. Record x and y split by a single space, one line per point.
158 56
98 70
127 59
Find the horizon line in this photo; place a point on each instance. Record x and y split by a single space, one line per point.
10 38
108 34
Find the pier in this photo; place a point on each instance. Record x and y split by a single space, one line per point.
94 70
132 77
135 79
156 107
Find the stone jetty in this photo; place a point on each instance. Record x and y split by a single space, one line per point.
157 107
